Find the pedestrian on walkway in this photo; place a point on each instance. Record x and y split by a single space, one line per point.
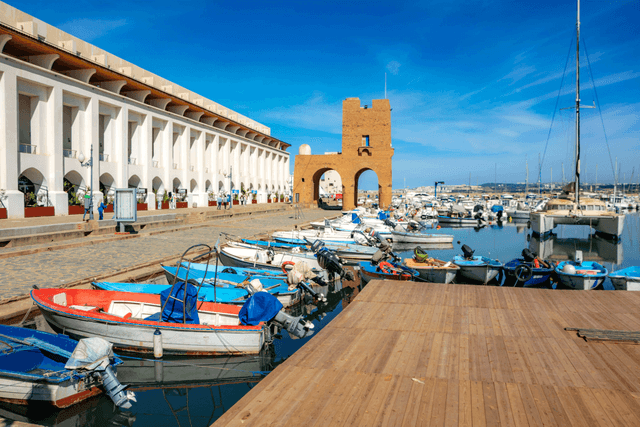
219 202
87 205
101 209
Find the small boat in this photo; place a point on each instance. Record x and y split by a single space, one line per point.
477 268
263 259
460 221
434 270
385 270
349 252
414 237
129 321
40 368
528 270
627 279
581 275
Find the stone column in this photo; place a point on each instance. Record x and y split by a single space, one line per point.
13 199
201 197
121 148
55 161
144 147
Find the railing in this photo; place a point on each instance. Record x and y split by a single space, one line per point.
69 153
104 157
155 163
28 148
175 166
132 160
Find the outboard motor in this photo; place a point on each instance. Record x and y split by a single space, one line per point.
528 255
389 223
467 252
264 307
296 326
330 262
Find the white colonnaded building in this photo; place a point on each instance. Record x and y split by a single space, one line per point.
61 98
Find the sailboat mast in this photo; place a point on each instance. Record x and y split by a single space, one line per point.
577 183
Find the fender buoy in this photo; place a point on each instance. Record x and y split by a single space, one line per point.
385 267
284 265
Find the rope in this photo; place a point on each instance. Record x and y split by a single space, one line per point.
599 109
555 109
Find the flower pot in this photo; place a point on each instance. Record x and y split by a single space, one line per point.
213 203
109 208
142 207
254 201
3 213
182 205
76 210
236 202
165 205
37 211
268 200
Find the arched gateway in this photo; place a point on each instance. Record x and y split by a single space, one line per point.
366 145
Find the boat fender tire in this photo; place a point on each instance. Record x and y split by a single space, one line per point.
386 267
284 266
523 272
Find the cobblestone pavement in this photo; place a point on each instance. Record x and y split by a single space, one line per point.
51 269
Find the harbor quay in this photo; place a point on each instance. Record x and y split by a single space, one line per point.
420 354
128 257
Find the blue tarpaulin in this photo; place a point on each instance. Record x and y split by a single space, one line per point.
355 219
173 311
383 215
497 208
260 307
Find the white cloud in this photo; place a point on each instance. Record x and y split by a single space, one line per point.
393 67
91 29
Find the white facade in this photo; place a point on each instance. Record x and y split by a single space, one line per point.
331 183
48 119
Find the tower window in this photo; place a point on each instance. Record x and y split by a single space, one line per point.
365 140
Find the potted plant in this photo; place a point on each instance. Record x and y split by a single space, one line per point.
165 201
75 205
235 199
3 208
254 199
212 199
31 208
182 203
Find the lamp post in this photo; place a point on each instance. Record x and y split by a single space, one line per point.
88 163
436 188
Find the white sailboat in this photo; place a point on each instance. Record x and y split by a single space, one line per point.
569 208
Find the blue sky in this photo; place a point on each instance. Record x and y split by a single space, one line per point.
472 84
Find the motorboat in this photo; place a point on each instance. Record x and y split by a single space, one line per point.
434 270
265 259
477 268
627 279
580 274
41 368
528 270
385 270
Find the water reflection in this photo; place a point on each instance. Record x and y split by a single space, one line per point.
594 248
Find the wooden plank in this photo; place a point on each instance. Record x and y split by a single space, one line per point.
491 411
477 405
438 411
452 410
465 404
517 406
504 406
398 408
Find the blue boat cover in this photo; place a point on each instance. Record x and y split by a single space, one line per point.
355 219
382 215
260 307
173 311
497 208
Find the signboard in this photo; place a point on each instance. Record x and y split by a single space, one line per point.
254 191
125 205
235 191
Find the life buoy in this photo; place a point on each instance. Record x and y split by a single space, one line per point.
536 263
284 265
385 267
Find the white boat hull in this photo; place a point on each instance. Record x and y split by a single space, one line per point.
403 237
580 282
543 223
482 273
24 392
178 340
625 283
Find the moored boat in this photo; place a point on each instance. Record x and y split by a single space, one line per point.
263 259
385 270
581 275
627 279
477 268
526 272
38 367
129 321
434 270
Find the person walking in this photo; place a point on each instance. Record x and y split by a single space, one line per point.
87 205
219 202
101 209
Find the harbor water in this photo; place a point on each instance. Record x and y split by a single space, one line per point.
197 391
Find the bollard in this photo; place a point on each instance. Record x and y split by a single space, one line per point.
157 344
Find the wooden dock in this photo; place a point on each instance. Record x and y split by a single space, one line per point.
416 354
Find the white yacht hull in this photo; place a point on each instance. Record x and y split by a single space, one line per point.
543 223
